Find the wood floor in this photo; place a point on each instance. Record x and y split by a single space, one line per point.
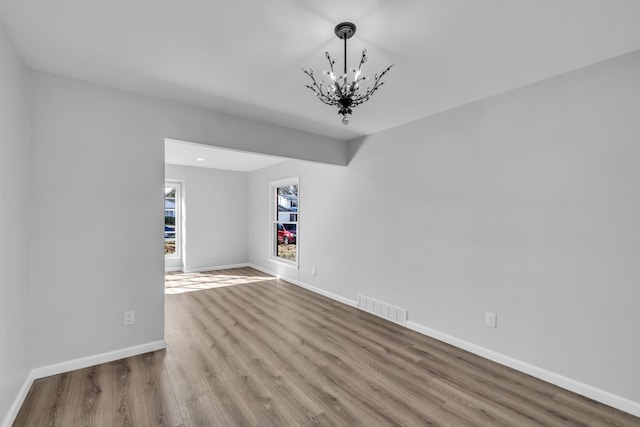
247 349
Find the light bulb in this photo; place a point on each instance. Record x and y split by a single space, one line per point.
345 120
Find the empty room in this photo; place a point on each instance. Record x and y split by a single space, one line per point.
374 213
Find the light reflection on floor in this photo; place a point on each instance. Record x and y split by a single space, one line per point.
179 283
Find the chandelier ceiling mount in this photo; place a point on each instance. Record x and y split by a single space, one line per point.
345 30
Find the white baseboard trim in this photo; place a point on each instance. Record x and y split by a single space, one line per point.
594 393
172 269
18 400
300 284
217 267
72 365
84 362
578 387
346 301
262 269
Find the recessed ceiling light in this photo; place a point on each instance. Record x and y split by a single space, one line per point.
200 159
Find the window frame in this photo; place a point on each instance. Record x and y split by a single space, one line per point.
178 218
274 221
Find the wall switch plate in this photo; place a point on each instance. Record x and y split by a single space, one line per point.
490 319
129 317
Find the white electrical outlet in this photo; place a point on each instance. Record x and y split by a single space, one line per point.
490 319
313 271
129 318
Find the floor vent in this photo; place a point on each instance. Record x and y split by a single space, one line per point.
382 309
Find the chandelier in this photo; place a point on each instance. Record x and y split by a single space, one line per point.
344 91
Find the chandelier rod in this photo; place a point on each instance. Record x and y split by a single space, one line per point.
344 37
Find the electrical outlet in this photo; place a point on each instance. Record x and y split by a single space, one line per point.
490 319
313 271
129 317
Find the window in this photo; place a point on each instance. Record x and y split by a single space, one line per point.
172 219
284 217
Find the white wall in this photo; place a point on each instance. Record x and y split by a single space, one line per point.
526 204
98 161
215 216
15 169
97 248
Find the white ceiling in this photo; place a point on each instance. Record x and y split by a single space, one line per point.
204 156
245 57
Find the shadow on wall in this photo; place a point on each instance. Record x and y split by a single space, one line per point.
353 147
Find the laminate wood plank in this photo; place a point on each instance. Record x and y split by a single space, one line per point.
292 351
399 402
346 394
562 420
248 349
112 400
253 371
343 370
205 410
207 366
266 369
249 386
44 403
398 382
149 379
266 361
524 408
396 386
336 337
319 420
566 421
188 381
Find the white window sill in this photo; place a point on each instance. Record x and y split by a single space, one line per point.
290 264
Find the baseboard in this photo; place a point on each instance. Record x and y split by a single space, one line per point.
19 399
262 269
72 365
217 267
303 285
84 362
172 269
322 292
586 390
578 387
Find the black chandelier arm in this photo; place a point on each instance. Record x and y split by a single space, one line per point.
328 101
317 89
339 89
322 97
379 77
356 82
377 82
315 86
331 61
363 59
361 100
365 97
